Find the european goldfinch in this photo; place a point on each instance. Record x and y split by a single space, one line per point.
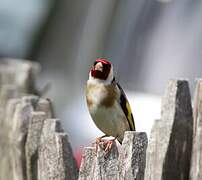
107 102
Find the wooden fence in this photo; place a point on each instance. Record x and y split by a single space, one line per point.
34 146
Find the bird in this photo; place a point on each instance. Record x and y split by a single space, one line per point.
107 103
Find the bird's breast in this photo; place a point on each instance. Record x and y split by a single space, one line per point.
105 109
100 95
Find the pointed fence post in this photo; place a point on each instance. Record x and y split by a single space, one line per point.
132 157
196 161
169 151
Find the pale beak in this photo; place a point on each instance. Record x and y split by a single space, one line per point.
99 67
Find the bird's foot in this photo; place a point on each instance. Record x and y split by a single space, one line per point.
108 146
99 140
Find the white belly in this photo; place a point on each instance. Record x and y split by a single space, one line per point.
111 121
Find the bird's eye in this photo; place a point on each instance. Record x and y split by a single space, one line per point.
95 63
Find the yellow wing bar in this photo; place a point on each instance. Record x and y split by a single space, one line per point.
130 116
126 108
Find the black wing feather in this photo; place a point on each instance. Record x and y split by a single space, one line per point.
126 109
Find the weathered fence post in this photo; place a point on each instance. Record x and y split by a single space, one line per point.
18 134
133 155
55 155
196 163
106 167
17 79
88 163
33 142
23 128
39 146
128 164
170 146
96 165
196 103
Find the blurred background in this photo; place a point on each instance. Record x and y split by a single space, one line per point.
148 41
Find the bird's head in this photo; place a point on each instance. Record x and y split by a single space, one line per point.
102 70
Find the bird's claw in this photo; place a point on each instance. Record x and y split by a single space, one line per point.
106 143
108 146
98 141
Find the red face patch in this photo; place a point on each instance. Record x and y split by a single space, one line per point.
104 61
106 69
